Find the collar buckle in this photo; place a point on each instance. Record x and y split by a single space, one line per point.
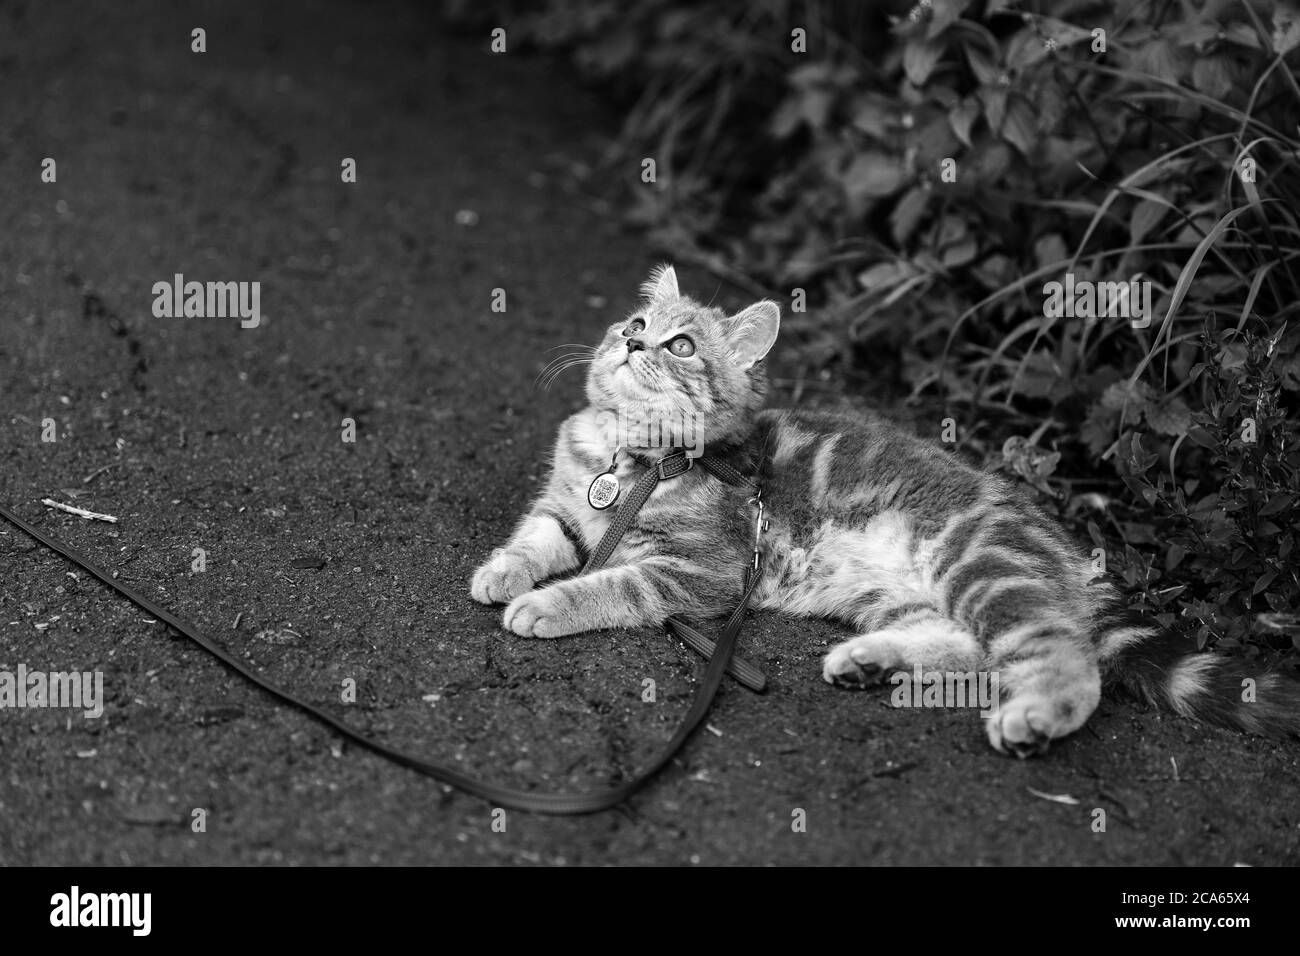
761 524
674 464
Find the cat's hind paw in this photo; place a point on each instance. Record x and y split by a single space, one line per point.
860 662
1024 726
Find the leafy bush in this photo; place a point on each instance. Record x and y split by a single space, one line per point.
1226 530
923 175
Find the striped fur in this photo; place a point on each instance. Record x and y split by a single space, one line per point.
930 561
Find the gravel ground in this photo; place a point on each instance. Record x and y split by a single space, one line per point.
376 304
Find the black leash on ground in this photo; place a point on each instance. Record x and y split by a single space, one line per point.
554 803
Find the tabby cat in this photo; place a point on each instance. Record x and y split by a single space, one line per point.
931 562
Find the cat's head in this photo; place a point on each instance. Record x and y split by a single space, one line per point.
675 359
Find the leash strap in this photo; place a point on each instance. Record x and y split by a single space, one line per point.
551 803
671 466
738 668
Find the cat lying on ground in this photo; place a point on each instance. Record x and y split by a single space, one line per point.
931 562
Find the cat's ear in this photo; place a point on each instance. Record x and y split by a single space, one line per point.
751 333
662 285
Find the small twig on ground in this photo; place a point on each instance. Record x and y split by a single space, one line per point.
97 472
898 771
1054 797
238 617
79 512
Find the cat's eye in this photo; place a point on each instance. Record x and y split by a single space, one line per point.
635 326
682 347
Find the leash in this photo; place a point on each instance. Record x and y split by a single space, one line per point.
673 465
720 660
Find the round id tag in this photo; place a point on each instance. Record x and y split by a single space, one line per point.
603 491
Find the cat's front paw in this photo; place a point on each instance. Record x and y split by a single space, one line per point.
544 613
501 579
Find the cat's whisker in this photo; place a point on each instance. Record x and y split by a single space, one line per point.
550 368
559 369
561 360
552 372
574 350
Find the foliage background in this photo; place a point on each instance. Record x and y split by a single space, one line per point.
1155 139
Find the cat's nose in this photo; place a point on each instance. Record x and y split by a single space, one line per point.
635 345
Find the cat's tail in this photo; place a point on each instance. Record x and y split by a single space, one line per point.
1165 670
